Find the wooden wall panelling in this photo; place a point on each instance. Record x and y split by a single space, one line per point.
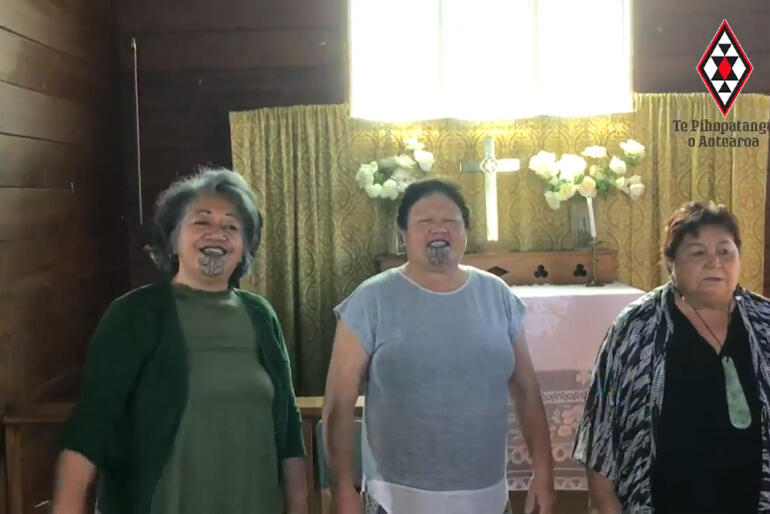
225 50
662 8
198 61
29 64
32 114
56 26
678 72
36 163
62 242
32 455
671 37
229 15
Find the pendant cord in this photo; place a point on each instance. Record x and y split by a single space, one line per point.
722 343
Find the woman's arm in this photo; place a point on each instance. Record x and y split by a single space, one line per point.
593 441
112 365
525 392
347 367
602 493
293 471
292 454
74 476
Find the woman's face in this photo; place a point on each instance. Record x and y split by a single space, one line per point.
209 243
707 265
435 232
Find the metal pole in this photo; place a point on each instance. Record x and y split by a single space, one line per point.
136 126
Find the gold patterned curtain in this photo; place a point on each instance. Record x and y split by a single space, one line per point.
322 233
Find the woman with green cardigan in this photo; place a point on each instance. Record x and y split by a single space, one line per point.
187 404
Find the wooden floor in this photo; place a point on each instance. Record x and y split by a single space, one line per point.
567 502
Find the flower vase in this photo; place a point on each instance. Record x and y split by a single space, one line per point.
580 223
399 241
393 235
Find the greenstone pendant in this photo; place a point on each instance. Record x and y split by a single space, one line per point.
737 406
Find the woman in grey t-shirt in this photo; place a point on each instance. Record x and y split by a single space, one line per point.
438 343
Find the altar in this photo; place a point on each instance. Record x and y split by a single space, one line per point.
564 327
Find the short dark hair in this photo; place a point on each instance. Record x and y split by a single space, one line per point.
690 218
422 188
172 205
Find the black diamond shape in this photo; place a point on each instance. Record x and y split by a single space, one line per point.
497 270
726 104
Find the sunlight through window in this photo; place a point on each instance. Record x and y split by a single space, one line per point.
489 59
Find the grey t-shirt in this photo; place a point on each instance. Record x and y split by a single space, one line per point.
438 380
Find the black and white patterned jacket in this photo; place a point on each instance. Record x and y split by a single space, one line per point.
617 435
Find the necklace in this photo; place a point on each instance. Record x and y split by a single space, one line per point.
716 339
737 406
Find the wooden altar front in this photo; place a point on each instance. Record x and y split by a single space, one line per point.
525 268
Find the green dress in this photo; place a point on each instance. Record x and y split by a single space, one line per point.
224 458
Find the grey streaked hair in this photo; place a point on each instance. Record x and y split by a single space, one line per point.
172 205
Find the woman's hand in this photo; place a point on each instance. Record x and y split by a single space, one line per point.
602 492
346 500
74 475
541 496
294 471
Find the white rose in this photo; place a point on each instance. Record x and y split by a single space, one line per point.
424 160
373 191
541 162
633 149
567 191
548 170
620 183
635 191
636 179
554 181
553 199
402 186
618 166
365 175
404 161
387 163
411 144
596 172
571 165
401 175
595 152
389 189
587 187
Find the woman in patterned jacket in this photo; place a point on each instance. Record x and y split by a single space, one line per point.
676 420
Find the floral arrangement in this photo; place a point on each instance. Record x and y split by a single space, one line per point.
598 174
389 177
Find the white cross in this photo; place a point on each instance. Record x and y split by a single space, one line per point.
491 167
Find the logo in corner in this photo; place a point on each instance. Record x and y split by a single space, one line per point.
724 68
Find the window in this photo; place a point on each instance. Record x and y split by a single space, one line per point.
489 59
